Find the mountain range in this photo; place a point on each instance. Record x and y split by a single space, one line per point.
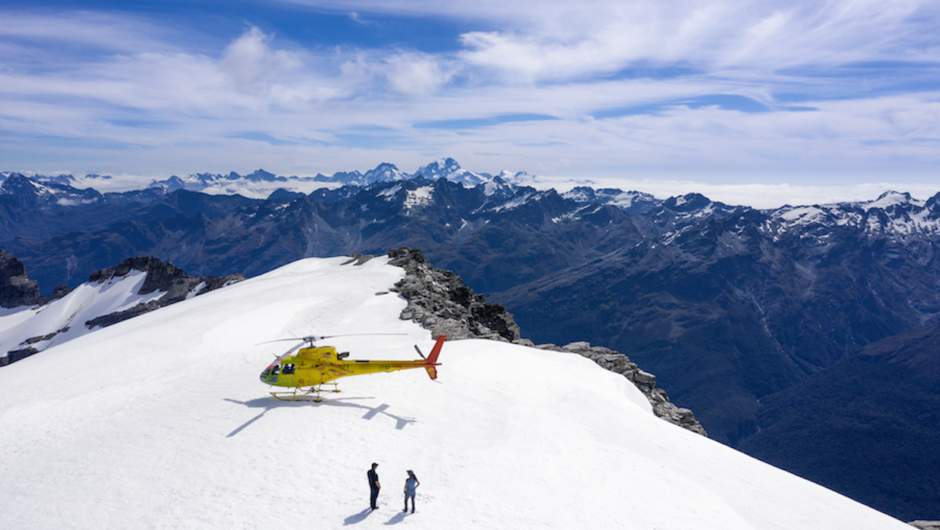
732 308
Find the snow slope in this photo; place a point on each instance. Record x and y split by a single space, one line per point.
161 422
69 313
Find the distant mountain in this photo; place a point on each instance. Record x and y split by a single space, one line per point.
448 168
631 201
30 193
867 427
203 181
31 208
498 234
732 308
257 181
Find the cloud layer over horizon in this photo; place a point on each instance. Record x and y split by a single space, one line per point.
721 92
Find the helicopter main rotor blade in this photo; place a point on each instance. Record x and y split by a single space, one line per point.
355 335
314 338
279 340
417 349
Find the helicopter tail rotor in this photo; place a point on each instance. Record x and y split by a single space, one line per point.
431 361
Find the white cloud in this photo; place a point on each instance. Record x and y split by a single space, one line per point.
250 63
763 35
115 33
415 74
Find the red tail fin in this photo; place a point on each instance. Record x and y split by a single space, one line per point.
432 359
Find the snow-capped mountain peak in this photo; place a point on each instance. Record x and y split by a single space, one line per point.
384 173
448 168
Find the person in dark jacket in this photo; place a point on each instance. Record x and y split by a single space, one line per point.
410 484
374 486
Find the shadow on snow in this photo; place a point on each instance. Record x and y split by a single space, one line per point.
270 403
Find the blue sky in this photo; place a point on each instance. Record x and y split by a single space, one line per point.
717 92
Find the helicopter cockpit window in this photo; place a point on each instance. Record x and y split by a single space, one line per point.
276 369
288 369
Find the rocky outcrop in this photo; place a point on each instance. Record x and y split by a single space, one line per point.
439 301
925 525
16 289
160 277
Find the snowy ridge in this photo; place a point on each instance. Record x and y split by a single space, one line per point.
514 203
160 421
421 196
64 319
619 198
892 213
129 289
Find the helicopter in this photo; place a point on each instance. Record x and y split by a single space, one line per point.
313 366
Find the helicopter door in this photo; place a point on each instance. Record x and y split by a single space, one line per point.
287 370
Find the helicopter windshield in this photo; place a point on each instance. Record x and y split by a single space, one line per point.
271 370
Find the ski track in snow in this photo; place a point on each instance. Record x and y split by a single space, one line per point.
161 422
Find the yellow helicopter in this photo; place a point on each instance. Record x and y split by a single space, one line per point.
312 367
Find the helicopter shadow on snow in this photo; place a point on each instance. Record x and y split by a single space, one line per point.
268 404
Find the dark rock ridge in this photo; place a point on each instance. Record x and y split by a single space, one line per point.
160 277
439 301
17 289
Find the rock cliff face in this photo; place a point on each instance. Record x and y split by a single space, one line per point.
439 301
16 289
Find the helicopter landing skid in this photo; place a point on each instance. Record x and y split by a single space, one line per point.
312 394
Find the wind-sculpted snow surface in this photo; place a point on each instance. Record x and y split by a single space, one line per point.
160 422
